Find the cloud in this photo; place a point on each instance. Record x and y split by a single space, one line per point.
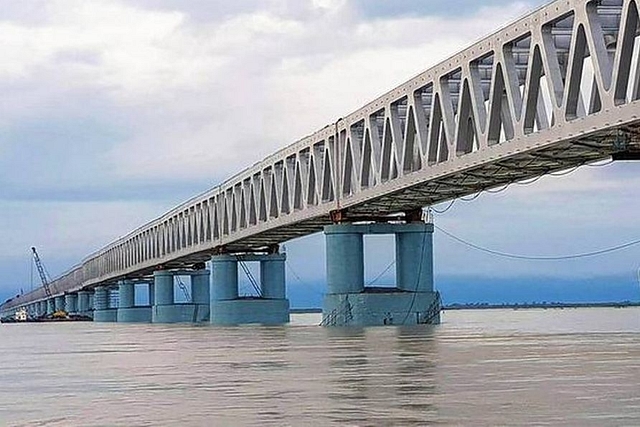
189 99
381 9
229 90
69 230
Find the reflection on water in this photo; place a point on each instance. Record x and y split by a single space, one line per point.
391 369
543 367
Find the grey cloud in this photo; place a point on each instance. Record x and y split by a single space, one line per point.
382 9
25 12
203 10
212 11
77 56
54 153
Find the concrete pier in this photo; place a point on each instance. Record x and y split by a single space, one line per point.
40 309
102 311
413 299
272 283
414 257
51 306
59 303
127 309
83 303
345 259
166 310
200 294
71 303
227 308
224 280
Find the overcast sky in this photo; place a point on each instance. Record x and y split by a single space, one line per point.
112 112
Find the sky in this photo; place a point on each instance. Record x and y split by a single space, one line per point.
113 112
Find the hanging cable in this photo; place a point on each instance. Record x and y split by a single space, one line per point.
505 186
183 288
247 272
530 181
294 273
498 190
446 209
472 198
537 258
382 273
302 282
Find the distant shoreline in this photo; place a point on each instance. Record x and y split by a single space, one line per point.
486 306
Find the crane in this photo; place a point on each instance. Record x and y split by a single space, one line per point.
42 272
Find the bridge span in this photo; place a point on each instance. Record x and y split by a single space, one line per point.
555 89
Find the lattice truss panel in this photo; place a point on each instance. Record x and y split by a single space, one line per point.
557 88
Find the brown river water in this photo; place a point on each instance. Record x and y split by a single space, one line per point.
575 367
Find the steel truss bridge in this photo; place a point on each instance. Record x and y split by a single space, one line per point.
558 88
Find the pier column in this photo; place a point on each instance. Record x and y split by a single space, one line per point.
414 257
227 308
51 306
200 287
163 288
102 312
126 293
71 303
272 278
100 298
113 297
345 259
41 308
164 309
83 303
224 281
200 294
59 303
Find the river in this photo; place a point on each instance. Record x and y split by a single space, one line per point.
575 367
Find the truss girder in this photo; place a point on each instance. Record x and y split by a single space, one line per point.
555 89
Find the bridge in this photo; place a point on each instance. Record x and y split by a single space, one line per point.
555 89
